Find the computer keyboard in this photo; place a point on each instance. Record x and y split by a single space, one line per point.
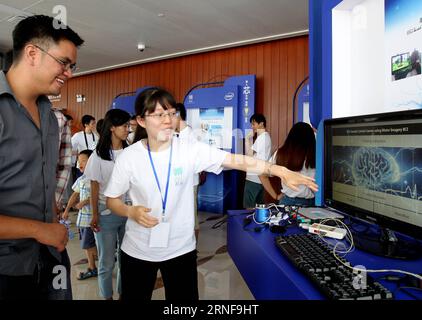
336 281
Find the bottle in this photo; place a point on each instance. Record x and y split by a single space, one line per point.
67 223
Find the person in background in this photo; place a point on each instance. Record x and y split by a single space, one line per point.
64 165
85 139
69 119
297 154
81 200
185 132
68 189
133 126
109 228
158 174
32 243
257 145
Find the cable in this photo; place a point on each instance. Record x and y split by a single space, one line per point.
349 237
220 223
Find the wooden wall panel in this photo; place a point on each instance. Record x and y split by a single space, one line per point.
278 65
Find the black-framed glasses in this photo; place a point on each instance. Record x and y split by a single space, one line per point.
65 64
161 116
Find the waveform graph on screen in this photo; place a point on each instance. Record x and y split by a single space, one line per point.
393 171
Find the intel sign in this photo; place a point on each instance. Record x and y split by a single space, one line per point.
229 96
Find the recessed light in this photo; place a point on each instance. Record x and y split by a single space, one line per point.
161 15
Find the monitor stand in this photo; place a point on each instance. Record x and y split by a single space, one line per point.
386 243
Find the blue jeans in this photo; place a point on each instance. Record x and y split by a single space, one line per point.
109 239
287 201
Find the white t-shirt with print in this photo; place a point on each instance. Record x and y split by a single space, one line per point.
304 191
187 133
133 172
262 151
98 169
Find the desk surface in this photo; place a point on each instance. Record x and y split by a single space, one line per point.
270 275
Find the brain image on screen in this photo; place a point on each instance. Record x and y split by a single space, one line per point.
374 167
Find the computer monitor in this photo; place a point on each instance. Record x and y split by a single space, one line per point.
373 172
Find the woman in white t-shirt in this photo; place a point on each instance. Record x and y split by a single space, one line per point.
296 154
109 228
158 174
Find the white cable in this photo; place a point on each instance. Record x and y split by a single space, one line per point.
349 237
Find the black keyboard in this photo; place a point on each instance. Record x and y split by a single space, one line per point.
337 282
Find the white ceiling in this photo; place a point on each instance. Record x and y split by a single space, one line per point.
113 28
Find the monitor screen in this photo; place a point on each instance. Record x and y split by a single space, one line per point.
373 169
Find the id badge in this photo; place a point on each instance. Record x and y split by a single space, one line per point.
160 235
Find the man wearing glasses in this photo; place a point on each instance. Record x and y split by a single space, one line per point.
32 243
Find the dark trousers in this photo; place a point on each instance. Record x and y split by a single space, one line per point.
180 277
50 280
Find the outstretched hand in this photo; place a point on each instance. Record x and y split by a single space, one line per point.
293 179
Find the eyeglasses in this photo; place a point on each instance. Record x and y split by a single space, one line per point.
65 64
161 116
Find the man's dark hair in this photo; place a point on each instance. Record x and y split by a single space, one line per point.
258 118
86 152
68 117
41 30
133 117
180 107
86 119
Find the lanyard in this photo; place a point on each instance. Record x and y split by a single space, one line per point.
86 140
164 201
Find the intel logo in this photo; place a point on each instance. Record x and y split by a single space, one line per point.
229 96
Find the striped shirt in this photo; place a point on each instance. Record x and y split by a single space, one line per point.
64 165
83 186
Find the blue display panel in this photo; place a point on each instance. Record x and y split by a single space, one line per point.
220 116
127 101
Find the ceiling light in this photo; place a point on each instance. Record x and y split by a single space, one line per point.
141 47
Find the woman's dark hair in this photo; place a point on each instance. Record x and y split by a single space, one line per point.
148 99
99 126
180 107
140 133
113 118
298 149
147 102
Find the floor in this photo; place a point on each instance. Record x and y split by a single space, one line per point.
218 277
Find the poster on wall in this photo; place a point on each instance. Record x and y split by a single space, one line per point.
403 28
212 124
